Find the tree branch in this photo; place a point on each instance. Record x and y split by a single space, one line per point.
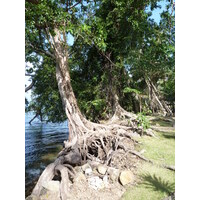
74 5
33 118
100 52
39 50
32 75
29 87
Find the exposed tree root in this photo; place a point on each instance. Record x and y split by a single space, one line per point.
169 167
47 175
64 188
99 145
135 153
121 115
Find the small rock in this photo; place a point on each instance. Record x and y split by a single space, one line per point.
126 177
113 173
140 130
102 169
85 166
52 186
88 171
80 177
135 134
96 183
171 197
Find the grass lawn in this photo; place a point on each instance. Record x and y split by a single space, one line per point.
154 182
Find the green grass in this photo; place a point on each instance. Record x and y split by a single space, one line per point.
154 182
162 149
162 121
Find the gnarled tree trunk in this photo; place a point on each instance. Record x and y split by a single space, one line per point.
87 140
77 123
154 97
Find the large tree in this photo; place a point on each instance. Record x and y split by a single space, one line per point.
48 24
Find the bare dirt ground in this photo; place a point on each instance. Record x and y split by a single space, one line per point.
81 190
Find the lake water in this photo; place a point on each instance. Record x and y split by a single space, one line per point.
42 143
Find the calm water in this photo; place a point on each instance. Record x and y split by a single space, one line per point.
42 143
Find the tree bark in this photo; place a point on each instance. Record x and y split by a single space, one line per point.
154 98
77 123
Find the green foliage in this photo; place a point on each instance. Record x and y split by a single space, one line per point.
131 90
116 46
167 87
146 110
46 98
95 109
143 121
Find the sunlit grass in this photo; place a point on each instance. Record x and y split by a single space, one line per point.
161 149
154 182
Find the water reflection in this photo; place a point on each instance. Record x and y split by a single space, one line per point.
42 143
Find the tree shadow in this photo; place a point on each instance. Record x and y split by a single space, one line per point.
163 121
169 136
157 183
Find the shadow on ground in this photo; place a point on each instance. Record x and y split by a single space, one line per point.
168 136
157 183
163 121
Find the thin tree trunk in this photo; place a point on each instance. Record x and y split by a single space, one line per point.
163 102
153 94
